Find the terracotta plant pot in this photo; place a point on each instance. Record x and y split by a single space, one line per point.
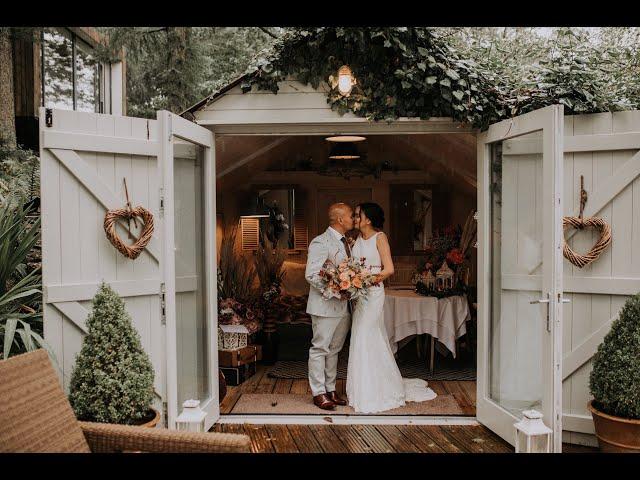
615 434
153 422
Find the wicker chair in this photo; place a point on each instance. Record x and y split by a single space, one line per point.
35 416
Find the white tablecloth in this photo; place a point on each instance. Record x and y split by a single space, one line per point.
407 313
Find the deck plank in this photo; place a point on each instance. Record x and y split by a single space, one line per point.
230 399
435 433
283 385
438 387
328 440
351 438
399 442
304 438
299 386
265 385
250 384
260 438
467 407
462 441
420 439
486 439
374 438
282 439
469 387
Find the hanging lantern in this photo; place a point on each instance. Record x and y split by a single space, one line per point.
532 433
345 80
192 417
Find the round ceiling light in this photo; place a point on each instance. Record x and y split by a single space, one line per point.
345 138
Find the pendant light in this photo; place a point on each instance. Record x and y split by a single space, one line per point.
344 151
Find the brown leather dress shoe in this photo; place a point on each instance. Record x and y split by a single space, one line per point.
333 396
324 402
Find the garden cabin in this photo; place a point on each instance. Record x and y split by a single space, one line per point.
539 317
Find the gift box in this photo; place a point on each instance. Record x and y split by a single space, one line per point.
236 375
239 356
232 337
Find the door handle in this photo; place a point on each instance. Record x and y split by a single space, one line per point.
540 300
544 300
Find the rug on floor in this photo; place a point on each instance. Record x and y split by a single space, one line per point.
296 404
445 368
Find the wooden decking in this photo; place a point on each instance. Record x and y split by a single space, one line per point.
463 391
369 438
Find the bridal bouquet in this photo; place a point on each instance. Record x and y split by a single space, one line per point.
350 279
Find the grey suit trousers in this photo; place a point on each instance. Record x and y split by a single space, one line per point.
329 334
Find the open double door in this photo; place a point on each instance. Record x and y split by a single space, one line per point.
172 290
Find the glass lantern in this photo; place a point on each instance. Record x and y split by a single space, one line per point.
192 417
532 434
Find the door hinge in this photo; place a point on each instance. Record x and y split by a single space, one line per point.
161 202
163 310
48 117
165 414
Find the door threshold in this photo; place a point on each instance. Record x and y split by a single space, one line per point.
348 419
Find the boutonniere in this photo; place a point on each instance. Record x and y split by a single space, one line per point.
351 241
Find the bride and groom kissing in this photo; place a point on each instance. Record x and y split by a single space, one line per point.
374 383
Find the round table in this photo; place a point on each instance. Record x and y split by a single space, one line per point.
407 313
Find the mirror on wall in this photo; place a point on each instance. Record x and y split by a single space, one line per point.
279 205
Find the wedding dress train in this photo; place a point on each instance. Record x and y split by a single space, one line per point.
374 382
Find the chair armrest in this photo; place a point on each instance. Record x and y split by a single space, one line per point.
106 437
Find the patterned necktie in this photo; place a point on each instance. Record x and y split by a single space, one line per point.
346 246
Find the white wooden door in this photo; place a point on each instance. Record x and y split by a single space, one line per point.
520 272
85 158
188 179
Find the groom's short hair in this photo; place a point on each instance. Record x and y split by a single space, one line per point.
336 210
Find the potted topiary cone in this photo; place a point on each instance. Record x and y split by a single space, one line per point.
112 380
615 383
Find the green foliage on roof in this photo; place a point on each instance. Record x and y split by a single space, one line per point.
475 76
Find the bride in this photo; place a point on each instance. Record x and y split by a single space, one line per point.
374 383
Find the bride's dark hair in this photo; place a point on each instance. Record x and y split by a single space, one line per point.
374 212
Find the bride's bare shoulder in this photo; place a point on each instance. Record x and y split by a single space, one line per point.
381 237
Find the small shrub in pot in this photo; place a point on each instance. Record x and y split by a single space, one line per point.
615 379
112 381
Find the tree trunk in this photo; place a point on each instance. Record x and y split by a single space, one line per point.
178 39
7 107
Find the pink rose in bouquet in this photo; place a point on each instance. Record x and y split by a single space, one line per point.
349 280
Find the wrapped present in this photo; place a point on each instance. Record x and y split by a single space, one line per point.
232 337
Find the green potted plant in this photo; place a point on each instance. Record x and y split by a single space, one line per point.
615 383
112 380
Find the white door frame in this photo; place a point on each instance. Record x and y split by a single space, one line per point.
171 126
346 127
550 121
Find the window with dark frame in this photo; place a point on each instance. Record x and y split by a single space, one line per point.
71 75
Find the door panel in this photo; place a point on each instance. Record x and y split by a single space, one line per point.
190 273
520 271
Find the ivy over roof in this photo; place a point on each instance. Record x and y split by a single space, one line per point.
416 72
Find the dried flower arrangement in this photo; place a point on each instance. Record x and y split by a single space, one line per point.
237 298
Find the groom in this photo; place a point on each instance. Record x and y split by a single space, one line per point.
331 318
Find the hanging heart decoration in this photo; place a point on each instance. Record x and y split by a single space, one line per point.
110 220
603 242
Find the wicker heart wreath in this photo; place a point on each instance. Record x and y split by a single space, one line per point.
128 213
604 241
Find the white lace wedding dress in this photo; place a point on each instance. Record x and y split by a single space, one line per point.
374 382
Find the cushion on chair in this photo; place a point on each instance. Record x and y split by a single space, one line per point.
35 415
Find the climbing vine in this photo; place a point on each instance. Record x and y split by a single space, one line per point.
428 72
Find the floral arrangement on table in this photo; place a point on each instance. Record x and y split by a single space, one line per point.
444 271
232 312
350 279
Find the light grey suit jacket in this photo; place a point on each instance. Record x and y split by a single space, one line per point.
322 248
